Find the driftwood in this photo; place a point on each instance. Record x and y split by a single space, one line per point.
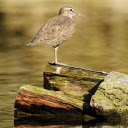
75 92
36 100
67 92
73 81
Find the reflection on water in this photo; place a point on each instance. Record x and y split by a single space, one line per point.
47 123
100 43
41 122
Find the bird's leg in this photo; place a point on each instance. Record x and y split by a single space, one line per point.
56 62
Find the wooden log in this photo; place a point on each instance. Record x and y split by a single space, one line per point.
67 92
73 81
36 100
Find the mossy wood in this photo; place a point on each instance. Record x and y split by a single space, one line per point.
37 100
64 93
68 92
73 81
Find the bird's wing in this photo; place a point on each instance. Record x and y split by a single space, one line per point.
55 31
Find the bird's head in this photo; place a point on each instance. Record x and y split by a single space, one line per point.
68 11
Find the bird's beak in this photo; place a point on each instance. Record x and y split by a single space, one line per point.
77 14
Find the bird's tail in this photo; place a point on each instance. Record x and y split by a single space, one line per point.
31 44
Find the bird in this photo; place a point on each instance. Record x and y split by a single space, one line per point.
57 30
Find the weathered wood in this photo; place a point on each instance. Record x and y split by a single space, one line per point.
36 100
73 81
68 92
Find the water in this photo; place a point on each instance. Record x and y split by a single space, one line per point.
100 43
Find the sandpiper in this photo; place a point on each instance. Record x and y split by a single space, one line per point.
57 30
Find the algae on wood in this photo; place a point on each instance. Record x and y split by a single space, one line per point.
72 81
68 91
41 101
64 93
111 98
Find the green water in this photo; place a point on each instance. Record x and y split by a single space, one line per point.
100 43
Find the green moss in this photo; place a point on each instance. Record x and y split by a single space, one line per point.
112 96
61 97
73 72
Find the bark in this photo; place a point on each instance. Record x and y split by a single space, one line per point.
36 100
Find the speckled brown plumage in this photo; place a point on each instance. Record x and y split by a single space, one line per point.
55 31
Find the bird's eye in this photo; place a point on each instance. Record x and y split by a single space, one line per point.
71 10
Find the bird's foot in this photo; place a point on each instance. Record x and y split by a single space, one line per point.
54 63
63 64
